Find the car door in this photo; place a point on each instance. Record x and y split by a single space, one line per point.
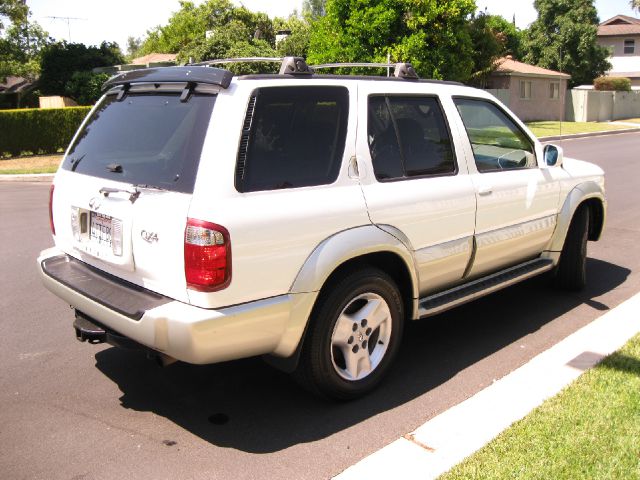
517 197
414 178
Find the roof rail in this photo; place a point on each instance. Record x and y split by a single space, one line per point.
288 65
401 70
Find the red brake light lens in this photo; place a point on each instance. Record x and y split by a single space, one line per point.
207 256
53 227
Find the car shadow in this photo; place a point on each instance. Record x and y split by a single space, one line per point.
249 406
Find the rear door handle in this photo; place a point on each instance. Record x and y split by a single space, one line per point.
484 191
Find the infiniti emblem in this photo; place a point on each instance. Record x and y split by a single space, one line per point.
95 203
149 237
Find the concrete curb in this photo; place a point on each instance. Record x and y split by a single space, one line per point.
32 177
444 441
589 134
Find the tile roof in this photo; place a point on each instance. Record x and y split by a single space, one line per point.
619 25
507 65
154 57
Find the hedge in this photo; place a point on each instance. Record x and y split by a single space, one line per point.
618 84
38 130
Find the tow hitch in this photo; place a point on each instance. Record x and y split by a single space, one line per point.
87 331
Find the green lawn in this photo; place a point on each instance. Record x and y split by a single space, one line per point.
591 430
547 129
36 164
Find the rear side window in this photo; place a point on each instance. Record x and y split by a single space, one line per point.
408 137
292 137
144 139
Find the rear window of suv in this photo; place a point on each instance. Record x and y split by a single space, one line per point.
292 137
144 139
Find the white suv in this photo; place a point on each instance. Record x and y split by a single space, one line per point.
304 217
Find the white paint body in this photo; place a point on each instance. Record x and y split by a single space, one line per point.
286 243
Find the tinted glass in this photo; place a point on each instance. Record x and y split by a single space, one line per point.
408 137
497 142
296 138
144 139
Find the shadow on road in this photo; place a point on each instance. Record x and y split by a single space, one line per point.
247 405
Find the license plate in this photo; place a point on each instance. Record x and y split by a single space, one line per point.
100 230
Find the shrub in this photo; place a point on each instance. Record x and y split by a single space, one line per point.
37 130
618 84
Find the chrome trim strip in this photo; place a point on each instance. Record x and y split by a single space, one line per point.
444 250
515 231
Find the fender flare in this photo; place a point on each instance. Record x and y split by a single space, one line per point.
347 245
329 255
574 199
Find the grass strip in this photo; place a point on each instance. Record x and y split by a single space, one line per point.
27 165
547 129
590 430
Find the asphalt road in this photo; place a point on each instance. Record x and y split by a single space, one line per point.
74 411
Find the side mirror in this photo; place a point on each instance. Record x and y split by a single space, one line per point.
553 155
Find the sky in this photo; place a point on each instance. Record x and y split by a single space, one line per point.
92 21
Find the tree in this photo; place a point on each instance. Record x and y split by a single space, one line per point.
15 10
564 38
61 60
85 87
134 45
215 29
635 4
297 43
431 34
20 42
314 9
492 37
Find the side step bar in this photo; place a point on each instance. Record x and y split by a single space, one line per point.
439 302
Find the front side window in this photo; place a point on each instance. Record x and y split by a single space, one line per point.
145 138
525 89
408 137
497 142
293 137
629 47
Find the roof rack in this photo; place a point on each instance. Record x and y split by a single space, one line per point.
401 70
288 65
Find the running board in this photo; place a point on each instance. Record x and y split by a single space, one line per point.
439 302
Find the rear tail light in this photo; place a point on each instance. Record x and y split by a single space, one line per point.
53 227
207 256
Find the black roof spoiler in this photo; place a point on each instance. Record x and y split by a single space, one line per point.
189 74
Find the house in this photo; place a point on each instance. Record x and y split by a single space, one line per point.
13 90
532 93
621 34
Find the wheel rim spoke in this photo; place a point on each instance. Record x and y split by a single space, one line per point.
343 330
352 355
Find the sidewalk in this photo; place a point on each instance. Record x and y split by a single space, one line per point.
444 441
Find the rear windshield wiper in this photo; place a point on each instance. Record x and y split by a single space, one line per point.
133 194
75 161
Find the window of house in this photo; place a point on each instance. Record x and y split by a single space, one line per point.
629 47
293 137
554 90
498 143
408 137
525 89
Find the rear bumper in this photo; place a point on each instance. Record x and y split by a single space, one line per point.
184 332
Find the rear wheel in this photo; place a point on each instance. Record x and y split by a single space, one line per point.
572 269
353 336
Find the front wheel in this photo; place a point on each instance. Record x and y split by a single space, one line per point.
572 269
354 335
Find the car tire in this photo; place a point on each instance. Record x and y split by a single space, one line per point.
353 337
571 273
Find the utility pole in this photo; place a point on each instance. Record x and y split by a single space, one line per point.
68 20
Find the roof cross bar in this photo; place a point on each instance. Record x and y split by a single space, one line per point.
401 70
288 65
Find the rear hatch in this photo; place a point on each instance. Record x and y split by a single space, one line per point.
122 194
